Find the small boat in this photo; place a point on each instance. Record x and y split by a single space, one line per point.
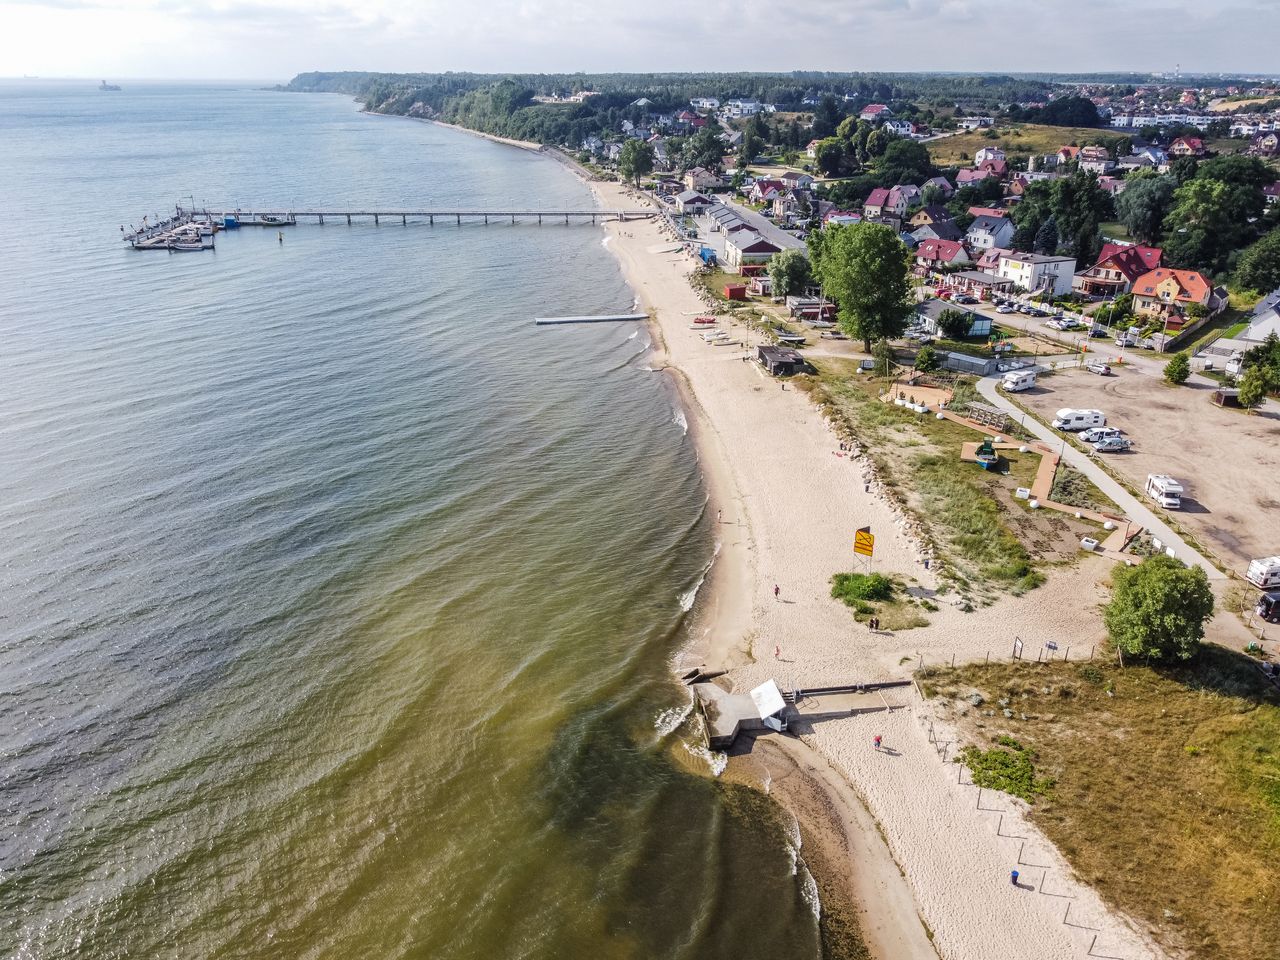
704 320
269 221
711 337
108 87
182 246
986 455
791 340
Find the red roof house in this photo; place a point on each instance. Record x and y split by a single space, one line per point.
1118 266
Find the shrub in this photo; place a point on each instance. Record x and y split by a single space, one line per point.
1008 767
856 588
1178 369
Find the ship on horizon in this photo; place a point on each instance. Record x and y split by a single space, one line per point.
108 86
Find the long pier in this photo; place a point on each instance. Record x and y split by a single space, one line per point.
221 218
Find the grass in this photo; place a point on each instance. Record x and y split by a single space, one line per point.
1008 767
875 595
1166 786
1116 231
1073 488
1019 139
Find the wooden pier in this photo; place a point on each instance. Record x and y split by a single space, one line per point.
224 218
600 318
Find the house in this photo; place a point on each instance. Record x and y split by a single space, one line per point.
780 361
745 248
1167 292
1266 145
791 204
978 282
932 254
967 177
686 118
761 286
1187 147
705 103
764 191
942 230
899 128
700 178
1118 266
975 123
986 232
876 202
930 310
811 150
943 185
1095 160
840 218
1139 161
989 262
987 153
796 180
901 197
875 111
743 108
1067 154
1112 185
1272 192
930 214
1038 273
987 212
692 202
997 167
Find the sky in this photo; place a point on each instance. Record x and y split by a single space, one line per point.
229 39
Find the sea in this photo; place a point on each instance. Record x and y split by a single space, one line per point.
339 602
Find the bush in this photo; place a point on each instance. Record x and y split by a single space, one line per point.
856 588
926 359
1008 767
1178 369
1158 609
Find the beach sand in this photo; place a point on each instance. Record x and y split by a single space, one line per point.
789 502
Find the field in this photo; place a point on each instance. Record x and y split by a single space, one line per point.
1225 459
1165 785
1020 139
989 539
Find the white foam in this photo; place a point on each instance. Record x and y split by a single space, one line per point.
809 891
689 596
605 242
679 420
670 720
634 334
716 762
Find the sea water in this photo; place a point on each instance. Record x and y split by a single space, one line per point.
336 598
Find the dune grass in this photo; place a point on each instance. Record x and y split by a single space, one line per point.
1166 786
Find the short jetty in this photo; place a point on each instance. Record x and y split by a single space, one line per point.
231 218
606 318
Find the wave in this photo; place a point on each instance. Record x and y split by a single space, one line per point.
678 418
670 720
716 762
605 242
634 334
809 891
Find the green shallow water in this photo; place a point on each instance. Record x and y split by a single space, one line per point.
338 600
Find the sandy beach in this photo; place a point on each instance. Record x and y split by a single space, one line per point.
789 501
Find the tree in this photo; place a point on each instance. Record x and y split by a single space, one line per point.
1158 609
789 271
749 149
866 269
1210 219
1177 369
905 161
829 155
883 354
954 324
1183 170
703 149
635 160
926 359
1254 385
1047 237
1069 112
1259 266
1143 206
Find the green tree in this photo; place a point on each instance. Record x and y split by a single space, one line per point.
866 269
878 142
703 149
1183 170
635 160
1209 220
954 324
1143 206
1238 169
829 155
1259 266
1047 237
926 359
1255 384
789 271
1158 609
1177 369
905 161
883 354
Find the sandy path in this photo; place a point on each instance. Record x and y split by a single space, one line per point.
790 504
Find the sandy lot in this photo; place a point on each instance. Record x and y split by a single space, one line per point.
1227 461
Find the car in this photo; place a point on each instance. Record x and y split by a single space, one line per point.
1094 434
1112 445
966 299
1005 308
1033 312
1023 308
944 294
1054 325
1098 367
1070 324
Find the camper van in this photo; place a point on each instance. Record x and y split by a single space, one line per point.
1069 419
1164 490
1265 573
1016 380
1268 607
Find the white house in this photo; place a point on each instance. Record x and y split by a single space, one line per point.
1038 273
690 201
745 247
743 108
899 128
986 232
705 103
987 153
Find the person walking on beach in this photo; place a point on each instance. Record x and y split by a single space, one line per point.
777 652
877 741
776 591
719 514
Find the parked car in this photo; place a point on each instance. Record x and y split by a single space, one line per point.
966 299
1069 324
1094 434
1054 325
1112 445
1005 308
1098 367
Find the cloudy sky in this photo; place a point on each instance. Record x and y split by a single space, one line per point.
276 38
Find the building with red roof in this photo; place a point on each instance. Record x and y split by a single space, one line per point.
1118 266
1165 292
875 111
1187 147
932 254
876 202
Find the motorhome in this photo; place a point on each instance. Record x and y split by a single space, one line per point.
1016 380
1069 419
1164 490
1265 573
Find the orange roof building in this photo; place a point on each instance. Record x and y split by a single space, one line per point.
1165 291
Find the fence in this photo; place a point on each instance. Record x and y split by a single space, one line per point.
1047 652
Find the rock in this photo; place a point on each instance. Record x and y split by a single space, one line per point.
976 699
1008 714
1003 701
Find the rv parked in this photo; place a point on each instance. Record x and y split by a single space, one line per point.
1265 573
1069 419
1017 380
1164 490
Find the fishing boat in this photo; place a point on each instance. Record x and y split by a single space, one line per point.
183 246
109 87
270 221
704 320
986 455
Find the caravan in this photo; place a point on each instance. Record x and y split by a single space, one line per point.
1017 380
1164 490
1265 573
1069 419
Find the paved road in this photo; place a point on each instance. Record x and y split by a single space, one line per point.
1134 508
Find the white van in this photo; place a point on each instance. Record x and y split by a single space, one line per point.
1016 380
1265 573
1069 419
1094 434
1164 490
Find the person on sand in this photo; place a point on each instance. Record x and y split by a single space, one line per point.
877 741
776 591
777 652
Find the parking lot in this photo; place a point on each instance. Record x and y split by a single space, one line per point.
1227 461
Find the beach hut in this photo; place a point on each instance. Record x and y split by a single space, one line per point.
780 361
735 291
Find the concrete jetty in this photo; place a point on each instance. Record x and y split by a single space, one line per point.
603 318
